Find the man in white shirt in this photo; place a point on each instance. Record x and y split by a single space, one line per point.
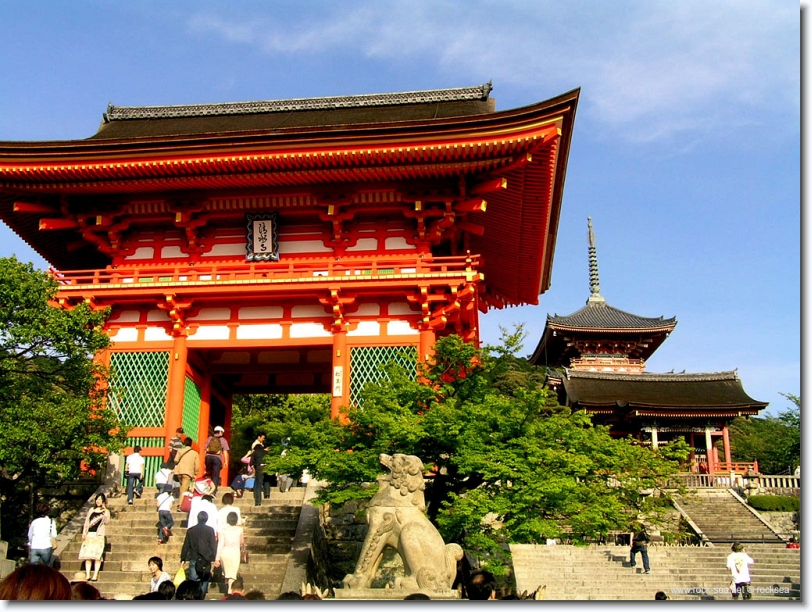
134 468
206 505
739 562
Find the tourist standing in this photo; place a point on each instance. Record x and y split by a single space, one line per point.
187 463
230 548
134 469
258 463
165 520
216 454
42 537
93 539
640 545
739 562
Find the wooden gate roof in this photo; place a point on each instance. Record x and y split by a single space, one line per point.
300 146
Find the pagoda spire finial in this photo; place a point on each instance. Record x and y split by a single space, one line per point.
594 281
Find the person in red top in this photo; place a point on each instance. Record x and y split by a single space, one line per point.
793 543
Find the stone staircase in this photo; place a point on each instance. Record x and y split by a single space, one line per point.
602 572
132 540
724 519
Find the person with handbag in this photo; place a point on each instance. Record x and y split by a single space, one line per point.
230 548
199 551
93 536
42 537
187 464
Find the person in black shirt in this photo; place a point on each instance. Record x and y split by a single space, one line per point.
258 452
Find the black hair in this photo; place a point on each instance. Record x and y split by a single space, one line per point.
231 519
157 561
188 590
481 585
151 595
167 587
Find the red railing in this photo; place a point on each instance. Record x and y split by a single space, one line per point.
346 269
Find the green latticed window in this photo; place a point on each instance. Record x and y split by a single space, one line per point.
366 365
138 383
191 408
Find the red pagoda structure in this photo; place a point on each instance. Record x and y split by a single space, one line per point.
289 246
597 359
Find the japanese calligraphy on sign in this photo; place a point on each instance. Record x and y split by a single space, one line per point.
262 235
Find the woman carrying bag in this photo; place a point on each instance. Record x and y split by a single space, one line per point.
93 540
42 537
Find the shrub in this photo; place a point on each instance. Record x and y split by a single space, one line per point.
775 503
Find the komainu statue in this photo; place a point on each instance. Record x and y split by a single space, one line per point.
396 518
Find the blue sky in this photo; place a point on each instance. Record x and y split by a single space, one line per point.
686 147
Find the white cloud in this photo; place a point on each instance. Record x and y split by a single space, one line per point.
648 70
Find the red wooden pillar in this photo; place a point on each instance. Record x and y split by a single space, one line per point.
341 373
426 348
203 425
726 443
709 451
176 386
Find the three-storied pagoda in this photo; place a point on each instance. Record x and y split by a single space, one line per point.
289 246
597 359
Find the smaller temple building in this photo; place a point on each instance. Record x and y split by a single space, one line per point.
596 360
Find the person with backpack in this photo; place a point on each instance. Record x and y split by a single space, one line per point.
216 454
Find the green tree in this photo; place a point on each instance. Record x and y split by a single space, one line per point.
510 464
53 421
775 442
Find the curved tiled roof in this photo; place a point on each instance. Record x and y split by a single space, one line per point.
715 390
276 115
120 113
601 316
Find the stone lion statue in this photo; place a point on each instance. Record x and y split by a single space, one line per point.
396 518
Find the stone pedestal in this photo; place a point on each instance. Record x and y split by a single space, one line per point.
372 594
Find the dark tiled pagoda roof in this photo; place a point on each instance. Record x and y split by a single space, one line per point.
660 394
599 320
152 121
600 316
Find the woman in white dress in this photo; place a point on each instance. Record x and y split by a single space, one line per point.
230 546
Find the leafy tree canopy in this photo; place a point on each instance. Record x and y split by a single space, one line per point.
52 417
775 442
510 464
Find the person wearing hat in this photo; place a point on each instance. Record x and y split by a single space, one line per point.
216 454
739 562
78 577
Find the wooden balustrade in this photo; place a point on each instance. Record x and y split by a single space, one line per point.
186 273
